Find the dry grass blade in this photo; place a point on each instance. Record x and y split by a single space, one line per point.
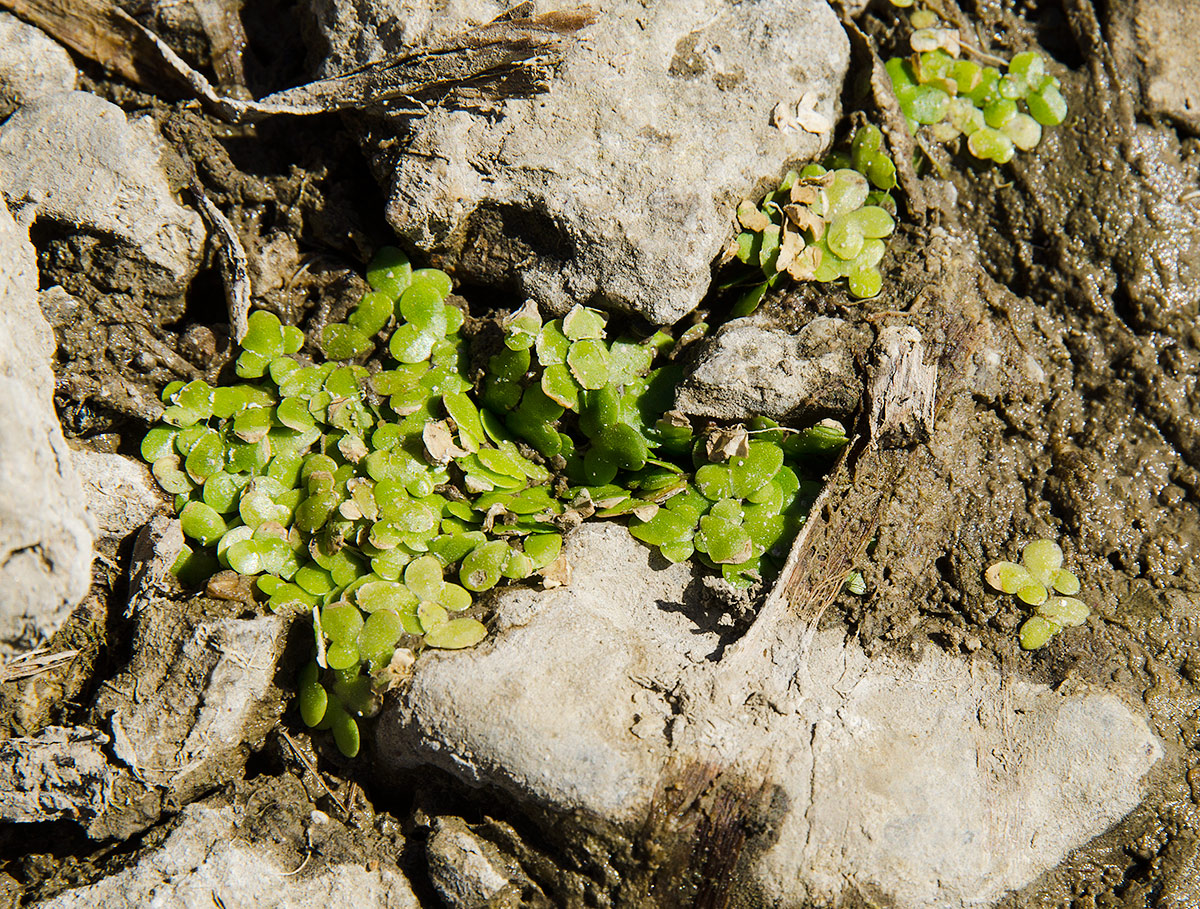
505 58
36 662
234 266
311 768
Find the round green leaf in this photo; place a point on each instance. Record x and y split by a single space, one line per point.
456 634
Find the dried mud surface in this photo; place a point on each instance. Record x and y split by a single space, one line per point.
1079 262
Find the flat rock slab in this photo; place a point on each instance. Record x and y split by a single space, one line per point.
220 855
751 367
45 537
938 782
617 187
86 167
535 735
60 773
930 783
31 65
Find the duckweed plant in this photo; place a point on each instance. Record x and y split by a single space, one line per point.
826 222
831 221
381 499
998 111
1040 573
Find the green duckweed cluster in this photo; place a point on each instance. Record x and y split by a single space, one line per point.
999 112
380 499
830 221
1041 581
826 222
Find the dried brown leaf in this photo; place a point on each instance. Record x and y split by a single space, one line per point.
646 512
725 442
804 266
751 218
557 573
439 442
793 245
804 193
806 219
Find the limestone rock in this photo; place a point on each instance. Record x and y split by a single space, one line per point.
59 773
469 872
750 367
617 187
1167 38
491 717
86 167
258 851
926 782
941 784
31 65
45 538
121 493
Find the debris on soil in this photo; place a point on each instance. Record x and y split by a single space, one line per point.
470 872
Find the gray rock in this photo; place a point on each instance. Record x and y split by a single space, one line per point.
65 773
1167 39
88 168
940 783
750 368
198 693
121 493
31 65
932 782
618 187
59 773
548 745
468 871
196 699
45 539
217 856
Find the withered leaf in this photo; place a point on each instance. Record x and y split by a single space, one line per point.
439 442
751 218
646 512
804 266
557 573
805 219
229 585
724 442
793 244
